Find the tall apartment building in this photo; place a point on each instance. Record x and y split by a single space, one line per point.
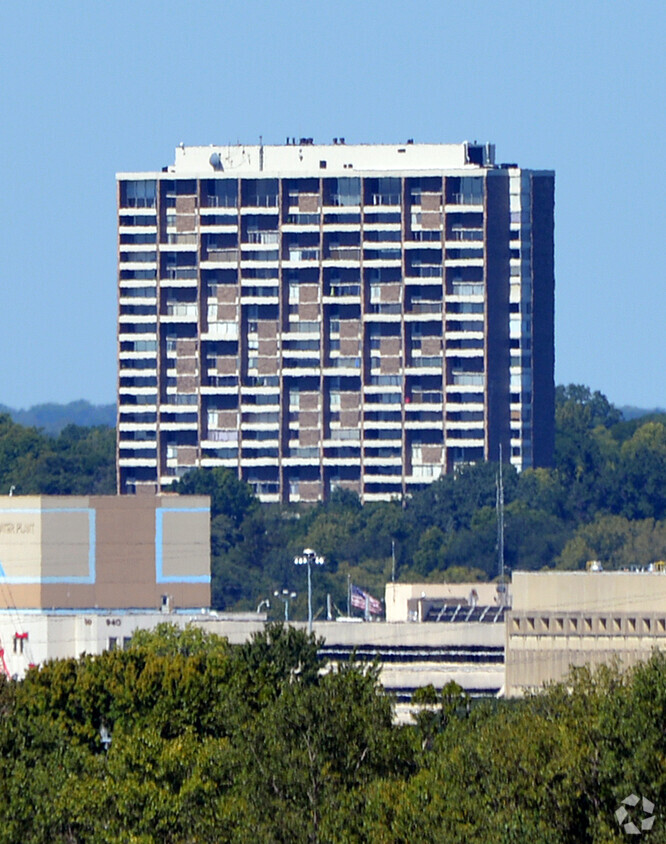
322 316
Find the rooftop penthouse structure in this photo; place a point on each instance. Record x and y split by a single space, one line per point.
322 316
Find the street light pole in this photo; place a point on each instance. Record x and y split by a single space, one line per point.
285 597
307 559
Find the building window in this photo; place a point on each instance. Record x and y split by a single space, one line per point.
138 194
19 642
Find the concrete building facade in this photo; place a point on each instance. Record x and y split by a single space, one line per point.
323 316
564 619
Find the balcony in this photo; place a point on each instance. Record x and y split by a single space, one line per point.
342 253
386 309
426 235
465 235
301 255
265 201
177 239
344 362
337 291
425 271
298 221
424 307
426 362
433 397
337 200
188 312
262 237
465 199
467 379
467 288
385 199
212 201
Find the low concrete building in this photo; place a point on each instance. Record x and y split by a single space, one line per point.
416 601
564 619
34 637
413 655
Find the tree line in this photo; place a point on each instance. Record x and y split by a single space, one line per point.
604 499
182 738
79 460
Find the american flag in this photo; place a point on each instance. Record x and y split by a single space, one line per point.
360 599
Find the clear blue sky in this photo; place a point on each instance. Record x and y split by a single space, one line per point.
88 89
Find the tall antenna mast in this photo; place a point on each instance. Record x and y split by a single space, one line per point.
500 529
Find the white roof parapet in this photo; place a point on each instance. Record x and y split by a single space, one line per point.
329 159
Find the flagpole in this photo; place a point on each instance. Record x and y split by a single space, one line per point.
348 595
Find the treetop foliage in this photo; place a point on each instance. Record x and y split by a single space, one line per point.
79 461
183 738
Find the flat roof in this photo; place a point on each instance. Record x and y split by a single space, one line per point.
336 159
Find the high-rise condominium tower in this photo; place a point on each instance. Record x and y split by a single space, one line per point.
321 316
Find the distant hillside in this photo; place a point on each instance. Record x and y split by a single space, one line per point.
630 412
52 418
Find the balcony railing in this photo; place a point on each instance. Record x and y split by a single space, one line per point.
267 201
344 254
224 255
268 237
426 234
182 239
302 219
425 362
426 398
182 310
467 199
338 200
345 362
220 202
465 234
425 308
139 202
424 271
222 381
345 290
467 379
303 255
467 288
179 272
385 199
384 309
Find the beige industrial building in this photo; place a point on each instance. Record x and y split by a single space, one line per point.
86 552
564 619
79 574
